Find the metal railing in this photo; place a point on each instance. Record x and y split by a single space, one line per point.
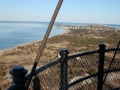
83 71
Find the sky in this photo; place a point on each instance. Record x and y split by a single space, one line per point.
77 11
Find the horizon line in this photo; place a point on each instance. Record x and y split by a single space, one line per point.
2 21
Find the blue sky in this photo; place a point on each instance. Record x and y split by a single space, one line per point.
79 11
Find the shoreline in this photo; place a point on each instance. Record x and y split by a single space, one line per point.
67 31
27 43
60 26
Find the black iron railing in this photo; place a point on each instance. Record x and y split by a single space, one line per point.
83 71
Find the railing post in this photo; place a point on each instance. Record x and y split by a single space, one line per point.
18 78
101 66
64 69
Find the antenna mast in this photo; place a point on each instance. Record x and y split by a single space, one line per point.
43 43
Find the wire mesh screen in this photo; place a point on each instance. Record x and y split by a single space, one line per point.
113 79
108 59
48 79
81 67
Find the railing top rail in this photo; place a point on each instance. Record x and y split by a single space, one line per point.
84 53
91 52
70 57
111 49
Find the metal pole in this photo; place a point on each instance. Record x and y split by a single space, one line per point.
64 69
44 43
101 66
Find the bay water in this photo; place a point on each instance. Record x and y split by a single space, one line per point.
13 34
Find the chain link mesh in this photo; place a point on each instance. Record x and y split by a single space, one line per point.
113 79
80 67
48 79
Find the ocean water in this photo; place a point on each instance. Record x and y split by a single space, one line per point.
114 25
13 34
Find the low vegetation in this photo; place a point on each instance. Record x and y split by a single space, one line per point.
76 40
